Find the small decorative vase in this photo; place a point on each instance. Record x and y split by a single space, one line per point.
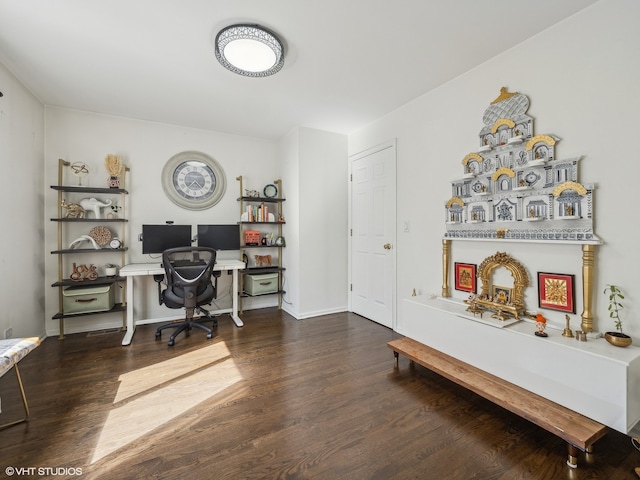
110 271
113 182
618 339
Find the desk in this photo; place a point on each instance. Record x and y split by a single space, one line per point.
145 269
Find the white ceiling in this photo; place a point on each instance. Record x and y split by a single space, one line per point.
348 62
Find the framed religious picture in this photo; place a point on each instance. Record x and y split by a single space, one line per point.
556 291
501 295
465 277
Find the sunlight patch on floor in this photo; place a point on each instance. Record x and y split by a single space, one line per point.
144 379
162 392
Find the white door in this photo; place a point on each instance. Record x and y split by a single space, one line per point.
373 220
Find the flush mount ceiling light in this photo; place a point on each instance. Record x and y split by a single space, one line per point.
249 50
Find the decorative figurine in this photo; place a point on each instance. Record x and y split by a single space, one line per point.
541 323
262 259
80 272
114 211
73 210
94 205
82 239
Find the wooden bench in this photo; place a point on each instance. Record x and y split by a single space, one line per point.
578 431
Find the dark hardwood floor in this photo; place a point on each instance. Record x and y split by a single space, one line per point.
277 399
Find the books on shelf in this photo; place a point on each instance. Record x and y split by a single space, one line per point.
257 213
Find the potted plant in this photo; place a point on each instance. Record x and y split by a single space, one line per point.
617 338
110 270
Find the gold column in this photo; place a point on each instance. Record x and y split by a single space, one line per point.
446 251
588 257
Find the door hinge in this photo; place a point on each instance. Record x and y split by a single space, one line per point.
351 177
351 287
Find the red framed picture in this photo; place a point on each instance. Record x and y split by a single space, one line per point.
465 277
556 291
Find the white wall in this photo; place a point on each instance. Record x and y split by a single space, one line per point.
145 147
315 165
22 243
289 147
581 78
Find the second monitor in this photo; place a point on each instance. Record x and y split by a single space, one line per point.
219 237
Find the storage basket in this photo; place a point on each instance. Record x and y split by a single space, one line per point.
88 299
260 284
251 237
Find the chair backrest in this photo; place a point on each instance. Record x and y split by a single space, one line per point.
188 272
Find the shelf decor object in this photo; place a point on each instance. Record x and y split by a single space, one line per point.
556 292
270 191
80 170
114 166
465 277
615 296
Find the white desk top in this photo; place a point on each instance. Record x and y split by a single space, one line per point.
155 268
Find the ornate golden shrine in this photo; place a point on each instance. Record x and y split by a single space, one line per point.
514 305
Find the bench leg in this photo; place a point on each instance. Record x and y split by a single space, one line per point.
24 402
572 459
395 359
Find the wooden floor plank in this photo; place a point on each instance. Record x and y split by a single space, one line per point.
310 399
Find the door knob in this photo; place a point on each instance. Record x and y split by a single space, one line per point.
387 246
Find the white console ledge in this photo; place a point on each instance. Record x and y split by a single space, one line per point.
593 378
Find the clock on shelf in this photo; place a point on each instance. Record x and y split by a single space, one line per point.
193 180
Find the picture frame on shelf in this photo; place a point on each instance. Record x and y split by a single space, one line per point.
465 277
501 294
556 291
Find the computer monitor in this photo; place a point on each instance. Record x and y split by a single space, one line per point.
158 238
219 237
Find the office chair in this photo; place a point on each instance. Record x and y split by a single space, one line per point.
188 273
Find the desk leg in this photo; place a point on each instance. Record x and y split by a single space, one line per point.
234 313
131 326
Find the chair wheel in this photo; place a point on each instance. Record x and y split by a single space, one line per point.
209 335
171 343
158 334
